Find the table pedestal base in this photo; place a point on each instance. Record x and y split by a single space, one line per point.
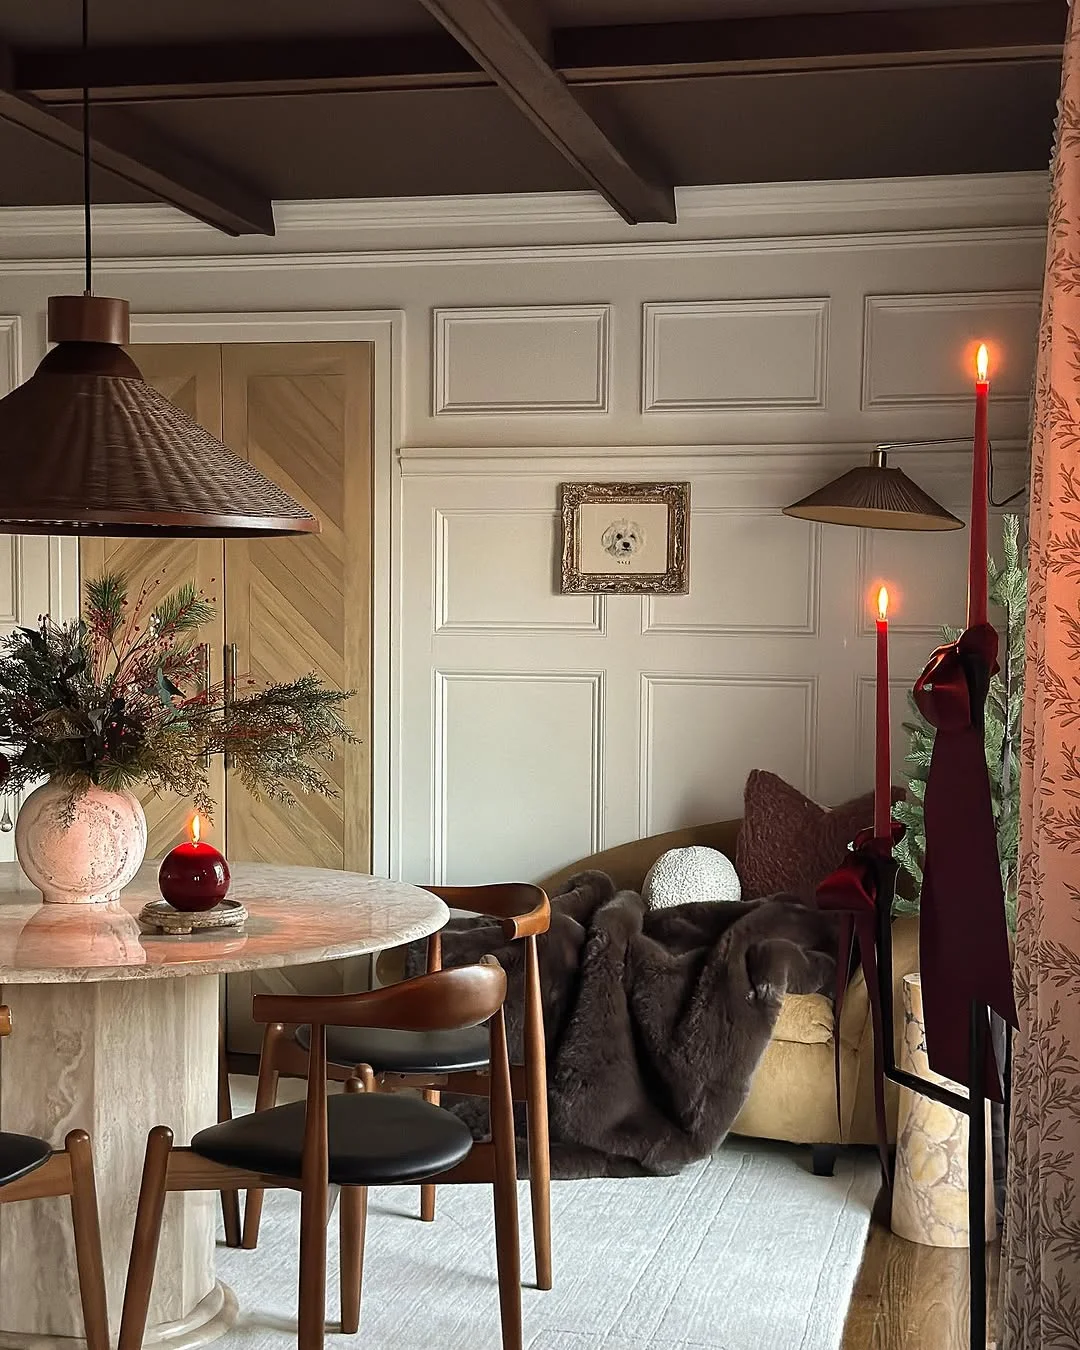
114 1058
210 1319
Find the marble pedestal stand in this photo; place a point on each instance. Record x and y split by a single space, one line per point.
115 1058
930 1188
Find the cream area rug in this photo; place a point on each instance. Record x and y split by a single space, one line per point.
747 1251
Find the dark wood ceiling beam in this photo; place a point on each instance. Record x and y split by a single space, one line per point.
1015 31
135 152
151 74
954 34
510 41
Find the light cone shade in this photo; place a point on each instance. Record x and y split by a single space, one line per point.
877 498
88 447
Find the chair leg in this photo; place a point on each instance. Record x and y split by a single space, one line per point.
427 1193
230 1200
352 1231
87 1226
265 1099
507 1248
540 1187
314 1208
144 1241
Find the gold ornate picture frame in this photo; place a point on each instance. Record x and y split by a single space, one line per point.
625 538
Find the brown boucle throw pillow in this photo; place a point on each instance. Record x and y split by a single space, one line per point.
789 844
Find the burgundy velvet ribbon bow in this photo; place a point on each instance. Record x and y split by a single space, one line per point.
852 893
963 939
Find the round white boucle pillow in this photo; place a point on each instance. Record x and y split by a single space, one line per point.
687 874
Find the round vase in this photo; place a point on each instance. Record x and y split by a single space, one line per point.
82 849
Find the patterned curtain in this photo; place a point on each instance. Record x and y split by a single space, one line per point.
1041 1257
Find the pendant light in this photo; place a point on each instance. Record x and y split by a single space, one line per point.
87 447
878 497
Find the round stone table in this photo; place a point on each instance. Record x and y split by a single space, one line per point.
116 1030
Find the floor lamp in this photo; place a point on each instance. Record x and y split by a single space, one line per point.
877 496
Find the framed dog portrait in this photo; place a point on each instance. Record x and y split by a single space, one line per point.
625 538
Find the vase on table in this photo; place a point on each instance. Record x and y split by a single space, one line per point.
81 846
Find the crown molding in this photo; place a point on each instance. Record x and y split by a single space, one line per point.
964 200
529 253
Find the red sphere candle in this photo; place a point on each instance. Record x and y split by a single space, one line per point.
194 876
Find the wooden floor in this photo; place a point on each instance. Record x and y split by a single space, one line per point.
909 1297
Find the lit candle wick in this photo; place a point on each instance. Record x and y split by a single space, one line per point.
982 363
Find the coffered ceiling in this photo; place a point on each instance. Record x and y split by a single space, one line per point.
223 108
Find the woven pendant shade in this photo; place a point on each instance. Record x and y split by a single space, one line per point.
88 447
875 497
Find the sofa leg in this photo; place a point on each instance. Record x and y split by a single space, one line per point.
823 1159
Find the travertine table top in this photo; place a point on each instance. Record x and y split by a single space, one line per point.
296 916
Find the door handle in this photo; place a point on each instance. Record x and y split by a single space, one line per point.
229 688
206 686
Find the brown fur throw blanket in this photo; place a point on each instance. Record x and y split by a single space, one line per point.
655 1019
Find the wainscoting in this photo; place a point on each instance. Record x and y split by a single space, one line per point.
759 347
539 728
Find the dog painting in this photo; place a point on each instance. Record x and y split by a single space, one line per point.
622 539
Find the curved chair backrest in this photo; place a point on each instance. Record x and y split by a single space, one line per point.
522 909
445 1000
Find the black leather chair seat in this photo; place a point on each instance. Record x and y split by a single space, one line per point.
417 1052
21 1154
375 1139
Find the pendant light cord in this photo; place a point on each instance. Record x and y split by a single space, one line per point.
87 242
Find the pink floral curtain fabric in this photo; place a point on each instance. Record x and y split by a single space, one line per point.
1041 1254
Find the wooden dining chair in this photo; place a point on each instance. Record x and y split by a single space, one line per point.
353 1140
31 1170
444 1061
230 1200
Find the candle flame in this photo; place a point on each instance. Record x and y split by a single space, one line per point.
195 828
883 604
982 362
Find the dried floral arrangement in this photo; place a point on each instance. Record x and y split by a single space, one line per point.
119 697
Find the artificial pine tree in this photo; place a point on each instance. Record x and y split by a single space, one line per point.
1008 592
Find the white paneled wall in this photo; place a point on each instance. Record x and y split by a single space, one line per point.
539 728
758 348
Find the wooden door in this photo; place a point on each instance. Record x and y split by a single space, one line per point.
190 376
301 413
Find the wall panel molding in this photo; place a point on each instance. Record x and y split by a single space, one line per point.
443 680
719 349
591 608
513 360
651 682
863 739
905 367
10 352
804 569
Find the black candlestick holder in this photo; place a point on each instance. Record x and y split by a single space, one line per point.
885 869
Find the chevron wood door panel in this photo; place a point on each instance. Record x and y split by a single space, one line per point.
190 376
301 412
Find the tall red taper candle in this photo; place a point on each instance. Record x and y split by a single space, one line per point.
980 472
882 766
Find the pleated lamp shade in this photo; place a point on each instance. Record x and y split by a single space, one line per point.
88 447
877 497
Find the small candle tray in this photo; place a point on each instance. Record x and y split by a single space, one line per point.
160 917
